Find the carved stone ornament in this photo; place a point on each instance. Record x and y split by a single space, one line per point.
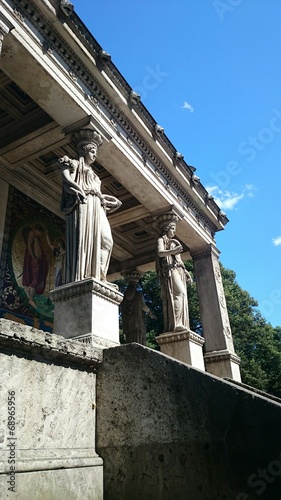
67 7
134 97
93 99
86 136
72 75
47 47
104 56
19 15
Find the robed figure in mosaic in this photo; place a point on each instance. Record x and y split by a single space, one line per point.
88 234
173 277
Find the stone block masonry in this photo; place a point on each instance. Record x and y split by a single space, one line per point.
168 431
47 416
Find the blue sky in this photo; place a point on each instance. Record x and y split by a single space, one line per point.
209 72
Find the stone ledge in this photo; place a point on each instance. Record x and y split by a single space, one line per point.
253 389
169 337
78 288
223 355
94 340
48 459
21 338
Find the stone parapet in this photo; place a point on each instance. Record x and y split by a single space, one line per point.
18 338
47 416
179 433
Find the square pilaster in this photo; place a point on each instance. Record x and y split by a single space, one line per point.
220 357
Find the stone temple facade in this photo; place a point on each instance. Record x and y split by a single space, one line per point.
55 80
169 424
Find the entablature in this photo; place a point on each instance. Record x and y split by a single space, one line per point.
69 85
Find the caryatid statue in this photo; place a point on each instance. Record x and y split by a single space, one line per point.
88 234
173 276
134 310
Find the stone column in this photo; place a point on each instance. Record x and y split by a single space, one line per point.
220 358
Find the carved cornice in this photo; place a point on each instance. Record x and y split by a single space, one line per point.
84 287
95 341
171 337
15 337
206 251
219 356
76 67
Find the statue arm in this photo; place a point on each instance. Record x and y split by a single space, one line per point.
145 307
188 276
162 252
111 203
67 167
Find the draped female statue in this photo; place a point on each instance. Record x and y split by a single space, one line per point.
88 234
134 310
173 277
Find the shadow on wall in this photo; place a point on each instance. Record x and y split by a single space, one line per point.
168 431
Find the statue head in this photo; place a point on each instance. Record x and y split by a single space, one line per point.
167 221
87 140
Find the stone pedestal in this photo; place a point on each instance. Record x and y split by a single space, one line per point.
186 346
88 311
223 364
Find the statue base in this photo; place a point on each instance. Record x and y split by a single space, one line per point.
224 364
88 311
186 346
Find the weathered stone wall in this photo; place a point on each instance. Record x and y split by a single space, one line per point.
47 416
168 431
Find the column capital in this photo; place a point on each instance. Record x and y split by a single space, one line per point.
205 251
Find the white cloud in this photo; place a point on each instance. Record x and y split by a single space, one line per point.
227 200
276 241
188 106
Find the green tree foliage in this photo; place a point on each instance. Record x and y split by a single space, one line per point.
256 342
